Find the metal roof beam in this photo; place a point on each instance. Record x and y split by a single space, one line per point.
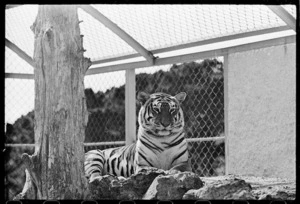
284 15
19 52
19 76
198 43
118 31
9 6
181 58
195 56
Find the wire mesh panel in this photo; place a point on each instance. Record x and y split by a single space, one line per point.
105 97
291 9
207 157
17 26
160 26
203 107
19 119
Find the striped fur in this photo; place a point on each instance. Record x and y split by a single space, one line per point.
161 141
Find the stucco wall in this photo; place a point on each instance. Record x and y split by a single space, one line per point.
261 112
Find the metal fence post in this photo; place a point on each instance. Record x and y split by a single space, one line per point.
130 117
226 101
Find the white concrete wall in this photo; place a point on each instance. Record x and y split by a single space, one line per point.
261 112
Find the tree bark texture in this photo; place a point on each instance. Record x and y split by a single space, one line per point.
56 168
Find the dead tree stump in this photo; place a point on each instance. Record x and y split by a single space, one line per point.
55 170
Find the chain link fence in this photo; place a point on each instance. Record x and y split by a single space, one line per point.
19 132
203 107
105 96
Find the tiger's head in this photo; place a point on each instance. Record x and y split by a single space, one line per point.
160 113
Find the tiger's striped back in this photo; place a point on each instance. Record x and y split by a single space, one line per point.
161 141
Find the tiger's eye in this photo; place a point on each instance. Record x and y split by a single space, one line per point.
155 108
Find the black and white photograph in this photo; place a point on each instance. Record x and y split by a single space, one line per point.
161 102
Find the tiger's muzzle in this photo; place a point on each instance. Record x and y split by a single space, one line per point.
165 115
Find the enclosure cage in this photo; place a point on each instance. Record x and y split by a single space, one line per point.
151 48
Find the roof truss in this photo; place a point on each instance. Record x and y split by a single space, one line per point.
9 6
180 58
198 43
284 15
19 52
118 31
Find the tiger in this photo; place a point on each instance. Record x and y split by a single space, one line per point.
161 142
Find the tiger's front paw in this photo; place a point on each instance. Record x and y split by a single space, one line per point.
145 169
108 178
172 171
121 178
95 178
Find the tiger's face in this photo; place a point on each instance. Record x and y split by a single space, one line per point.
161 114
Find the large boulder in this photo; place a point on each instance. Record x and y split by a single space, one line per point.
173 186
132 188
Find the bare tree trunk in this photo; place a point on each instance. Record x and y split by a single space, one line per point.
56 168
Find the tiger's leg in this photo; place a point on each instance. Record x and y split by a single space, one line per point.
93 164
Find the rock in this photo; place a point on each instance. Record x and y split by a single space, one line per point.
135 186
132 188
222 189
172 186
100 187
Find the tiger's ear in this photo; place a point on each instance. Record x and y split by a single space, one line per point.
142 97
180 97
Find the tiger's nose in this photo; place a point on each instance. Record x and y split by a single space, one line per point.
165 124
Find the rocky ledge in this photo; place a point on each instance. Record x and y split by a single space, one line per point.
166 185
